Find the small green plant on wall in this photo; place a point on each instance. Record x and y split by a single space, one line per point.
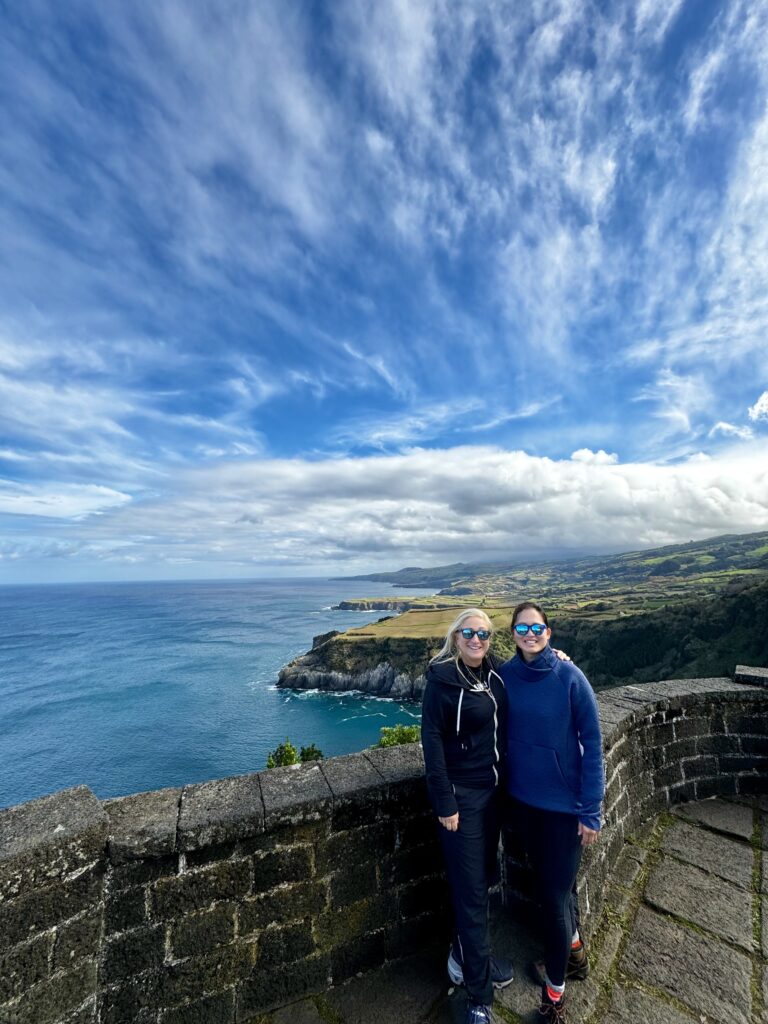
286 754
392 735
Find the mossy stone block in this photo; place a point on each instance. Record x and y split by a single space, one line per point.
267 989
284 944
221 811
133 952
294 795
218 1009
290 864
24 966
205 975
54 998
22 918
197 890
203 932
143 825
282 904
45 840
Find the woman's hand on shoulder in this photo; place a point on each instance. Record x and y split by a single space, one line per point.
561 654
451 822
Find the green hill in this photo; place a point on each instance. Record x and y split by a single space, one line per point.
684 610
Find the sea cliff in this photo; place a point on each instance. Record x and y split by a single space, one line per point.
384 666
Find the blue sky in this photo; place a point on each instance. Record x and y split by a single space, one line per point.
332 287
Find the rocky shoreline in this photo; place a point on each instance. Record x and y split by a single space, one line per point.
385 667
386 604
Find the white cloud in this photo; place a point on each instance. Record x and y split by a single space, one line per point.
599 458
678 399
759 411
423 507
58 501
730 430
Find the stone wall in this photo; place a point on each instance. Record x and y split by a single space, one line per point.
216 902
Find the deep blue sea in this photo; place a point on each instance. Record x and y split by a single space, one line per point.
135 686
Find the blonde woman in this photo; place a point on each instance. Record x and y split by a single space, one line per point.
463 732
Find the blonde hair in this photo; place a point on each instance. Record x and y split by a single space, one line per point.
449 649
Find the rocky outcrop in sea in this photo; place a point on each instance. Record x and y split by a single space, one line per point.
386 667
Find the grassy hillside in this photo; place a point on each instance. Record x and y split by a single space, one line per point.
707 636
679 611
682 569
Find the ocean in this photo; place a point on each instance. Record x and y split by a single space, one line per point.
135 686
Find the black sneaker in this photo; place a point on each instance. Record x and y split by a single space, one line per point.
578 965
552 1012
501 970
477 1014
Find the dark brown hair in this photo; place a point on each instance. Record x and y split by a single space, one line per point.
528 604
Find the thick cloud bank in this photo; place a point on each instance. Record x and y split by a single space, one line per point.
423 507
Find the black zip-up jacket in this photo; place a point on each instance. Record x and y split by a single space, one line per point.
463 731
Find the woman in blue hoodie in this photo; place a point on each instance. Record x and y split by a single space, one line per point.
555 779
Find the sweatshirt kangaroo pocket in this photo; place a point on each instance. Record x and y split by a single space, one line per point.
536 770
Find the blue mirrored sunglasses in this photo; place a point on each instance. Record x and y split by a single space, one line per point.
482 634
521 628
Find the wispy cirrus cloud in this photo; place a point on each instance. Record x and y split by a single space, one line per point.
244 236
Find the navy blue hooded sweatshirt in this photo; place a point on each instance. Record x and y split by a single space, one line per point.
463 730
555 751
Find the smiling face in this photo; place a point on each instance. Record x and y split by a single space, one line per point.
474 650
529 645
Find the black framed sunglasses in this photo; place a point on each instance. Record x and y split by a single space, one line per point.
481 634
521 628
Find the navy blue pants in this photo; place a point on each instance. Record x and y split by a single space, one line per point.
471 861
553 846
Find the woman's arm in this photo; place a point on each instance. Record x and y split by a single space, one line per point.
432 731
587 725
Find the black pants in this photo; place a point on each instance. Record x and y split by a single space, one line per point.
471 859
553 846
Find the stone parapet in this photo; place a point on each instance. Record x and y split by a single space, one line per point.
220 901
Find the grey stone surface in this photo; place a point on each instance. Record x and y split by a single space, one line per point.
46 839
722 815
628 865
405 761
764 1017
764 885
725 857
702 898
304 1012
24 966
37 911
143 825
630 1006
751 675
217 1009
356 786
351 776
403 991
54 998
294 795
197 890
706 975
221 811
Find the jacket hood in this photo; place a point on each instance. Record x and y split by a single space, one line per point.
533 671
